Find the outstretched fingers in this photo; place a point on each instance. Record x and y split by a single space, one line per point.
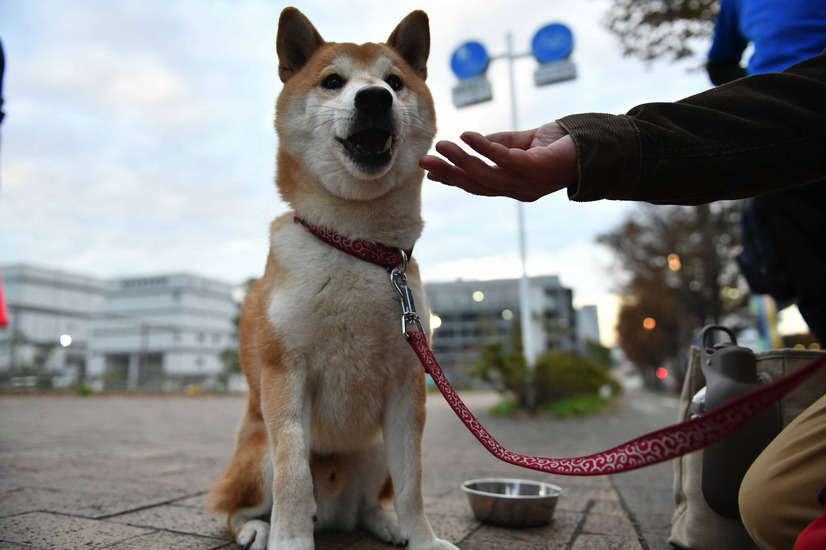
497 152
471 173
473 165
443 172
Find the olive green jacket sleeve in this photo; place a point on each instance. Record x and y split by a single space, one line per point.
751 136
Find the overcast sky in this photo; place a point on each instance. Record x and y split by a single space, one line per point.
138 136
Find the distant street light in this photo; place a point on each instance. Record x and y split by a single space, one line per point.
65 340
674 262
649 323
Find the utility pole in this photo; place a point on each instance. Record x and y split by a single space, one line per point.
552 46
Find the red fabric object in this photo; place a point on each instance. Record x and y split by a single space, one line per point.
375 253
813 537
665 444
4 315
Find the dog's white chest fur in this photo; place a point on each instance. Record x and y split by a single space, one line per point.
341 318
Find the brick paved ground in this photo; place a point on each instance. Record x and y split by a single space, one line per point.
131 472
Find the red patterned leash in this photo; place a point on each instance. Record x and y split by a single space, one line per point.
659 446
653 448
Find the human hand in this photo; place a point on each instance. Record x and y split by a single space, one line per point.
528 164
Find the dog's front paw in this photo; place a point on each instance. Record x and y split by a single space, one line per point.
385 525
253 535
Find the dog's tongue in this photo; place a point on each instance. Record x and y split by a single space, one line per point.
372 141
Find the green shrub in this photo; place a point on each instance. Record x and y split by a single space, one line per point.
581 405
508 372
505 408
560 378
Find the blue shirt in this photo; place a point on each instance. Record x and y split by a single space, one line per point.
782 32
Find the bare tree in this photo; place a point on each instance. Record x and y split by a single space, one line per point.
678 273
653 29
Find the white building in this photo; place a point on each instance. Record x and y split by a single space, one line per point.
162 332
153 333
47 308
473 313
587 324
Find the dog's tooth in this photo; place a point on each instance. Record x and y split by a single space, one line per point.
389 143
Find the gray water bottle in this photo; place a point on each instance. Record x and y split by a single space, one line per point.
731 371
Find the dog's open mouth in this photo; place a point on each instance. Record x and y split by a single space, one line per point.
371 147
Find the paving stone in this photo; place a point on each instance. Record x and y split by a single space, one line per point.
555 536
52 531
609 508
600 542
636 489
656 528
63 485
99 498
578 500
190 480
15 546
25 499
196 501
453 503
181 519
452 528
608 525
164 539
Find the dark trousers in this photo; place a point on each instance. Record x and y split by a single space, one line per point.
796 219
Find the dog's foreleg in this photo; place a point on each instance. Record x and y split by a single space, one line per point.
287 409
404 422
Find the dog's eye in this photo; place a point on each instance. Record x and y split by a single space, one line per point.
332 82
395 82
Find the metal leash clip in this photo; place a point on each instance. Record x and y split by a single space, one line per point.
399 280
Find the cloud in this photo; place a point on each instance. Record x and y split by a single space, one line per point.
139 137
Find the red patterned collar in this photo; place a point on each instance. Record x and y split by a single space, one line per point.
375 253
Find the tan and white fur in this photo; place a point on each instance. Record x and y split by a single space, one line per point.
336 406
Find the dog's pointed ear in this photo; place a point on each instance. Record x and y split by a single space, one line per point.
411 39
296 43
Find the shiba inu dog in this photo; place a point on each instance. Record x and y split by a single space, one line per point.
336 403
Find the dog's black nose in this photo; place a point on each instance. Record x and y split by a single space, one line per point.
374 100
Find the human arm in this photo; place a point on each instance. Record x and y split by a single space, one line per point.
748 137
751 136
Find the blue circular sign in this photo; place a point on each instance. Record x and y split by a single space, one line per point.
552 42
469 60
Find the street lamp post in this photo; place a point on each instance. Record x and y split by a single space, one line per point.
551 46
528 345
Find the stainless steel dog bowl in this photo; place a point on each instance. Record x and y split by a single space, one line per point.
512 502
